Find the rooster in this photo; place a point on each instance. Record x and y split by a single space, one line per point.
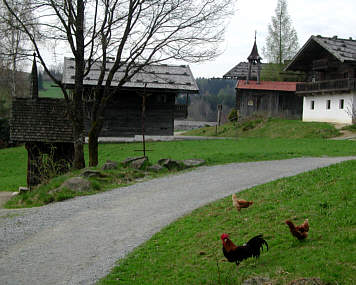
239 203
300 232
237 254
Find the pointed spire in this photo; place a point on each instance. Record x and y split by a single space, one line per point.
254 58
34 79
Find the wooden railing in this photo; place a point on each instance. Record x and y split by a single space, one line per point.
180 111
327 86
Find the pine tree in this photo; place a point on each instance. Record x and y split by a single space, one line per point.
282 39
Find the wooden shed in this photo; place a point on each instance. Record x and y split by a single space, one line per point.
161 84
269 98
43 125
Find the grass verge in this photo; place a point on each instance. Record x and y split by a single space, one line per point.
188 251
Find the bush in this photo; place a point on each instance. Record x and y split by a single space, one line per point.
4 132
233 115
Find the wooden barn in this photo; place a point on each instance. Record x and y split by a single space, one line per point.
329 95
160 84
269 98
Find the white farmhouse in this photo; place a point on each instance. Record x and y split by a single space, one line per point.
329 95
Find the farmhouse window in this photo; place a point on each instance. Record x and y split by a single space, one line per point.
328 104
341 104
312 104
250 103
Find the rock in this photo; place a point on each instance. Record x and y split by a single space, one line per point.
92 173
169 163
15 193
257 280
23 189
129 160
109 165
77 184
155 168
139 163
307 281
192 162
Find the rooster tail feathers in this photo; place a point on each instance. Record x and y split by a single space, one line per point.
256 245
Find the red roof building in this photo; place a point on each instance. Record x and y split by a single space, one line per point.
269 98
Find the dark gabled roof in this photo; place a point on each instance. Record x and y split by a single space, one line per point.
167 77
267 85
40 120
240 71
344 50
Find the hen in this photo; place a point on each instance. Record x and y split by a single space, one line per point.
239 203
237 254
300 232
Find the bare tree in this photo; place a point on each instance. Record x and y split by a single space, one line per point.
14 43
282 39
136 33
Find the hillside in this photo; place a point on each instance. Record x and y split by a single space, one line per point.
269 128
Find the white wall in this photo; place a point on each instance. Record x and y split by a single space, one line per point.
334 114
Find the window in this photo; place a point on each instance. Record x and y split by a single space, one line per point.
346 75
250 103
312 104
341 104
328 104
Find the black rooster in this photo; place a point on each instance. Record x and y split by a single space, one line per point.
236 254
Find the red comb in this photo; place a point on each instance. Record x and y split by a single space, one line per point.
224 236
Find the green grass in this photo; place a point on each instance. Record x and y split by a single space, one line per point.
188 251
13 161
50 90
270 128
351 128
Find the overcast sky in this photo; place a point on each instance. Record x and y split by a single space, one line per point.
309 17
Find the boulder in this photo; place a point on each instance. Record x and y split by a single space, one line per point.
92 173
155 168
77 184
257 280
135 162
192 162
169 163
139 163
307 281
23 189
109 165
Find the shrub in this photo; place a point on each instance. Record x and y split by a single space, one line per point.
233 115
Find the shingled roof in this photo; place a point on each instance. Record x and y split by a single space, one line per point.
240 71
40 120
169 77
344 50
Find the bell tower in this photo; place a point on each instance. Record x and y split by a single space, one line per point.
254 59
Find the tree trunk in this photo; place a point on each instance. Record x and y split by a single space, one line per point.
79 161
93 147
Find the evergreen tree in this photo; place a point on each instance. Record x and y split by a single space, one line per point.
282 39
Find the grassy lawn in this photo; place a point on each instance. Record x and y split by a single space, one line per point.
13 161
271 128
188 251
50 91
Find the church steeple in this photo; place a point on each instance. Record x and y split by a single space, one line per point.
253 59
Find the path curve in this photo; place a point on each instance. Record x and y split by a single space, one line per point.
79 240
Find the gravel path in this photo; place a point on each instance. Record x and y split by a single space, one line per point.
78 241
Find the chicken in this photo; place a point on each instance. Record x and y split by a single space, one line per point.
237 254
300 232
239 203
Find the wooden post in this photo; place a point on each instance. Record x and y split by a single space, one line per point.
143 120
218 120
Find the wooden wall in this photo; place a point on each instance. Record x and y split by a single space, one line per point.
269 103
123 115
